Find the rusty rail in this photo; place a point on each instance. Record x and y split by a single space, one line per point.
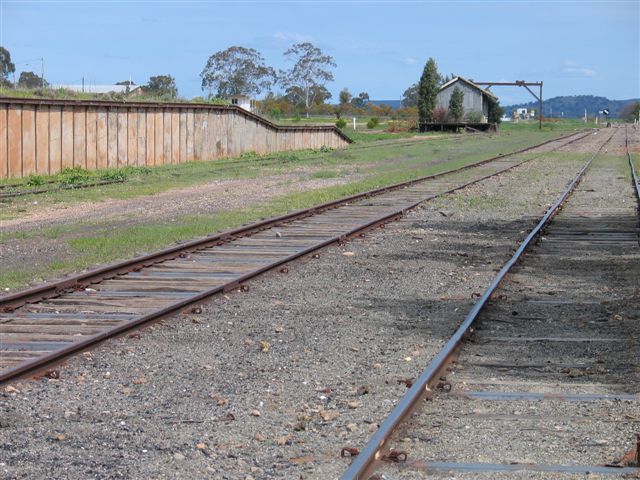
375 450
10 303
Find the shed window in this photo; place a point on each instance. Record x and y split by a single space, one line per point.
234 101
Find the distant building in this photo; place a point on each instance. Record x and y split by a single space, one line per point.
476 99
243 101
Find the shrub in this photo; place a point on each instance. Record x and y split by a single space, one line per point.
74 176
296 117
341 123
275 113
440 114
373 122
474 117
35 180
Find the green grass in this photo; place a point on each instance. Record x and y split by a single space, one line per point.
91 243
322 174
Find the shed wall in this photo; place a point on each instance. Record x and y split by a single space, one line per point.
472 102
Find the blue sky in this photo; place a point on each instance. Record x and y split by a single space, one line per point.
588 47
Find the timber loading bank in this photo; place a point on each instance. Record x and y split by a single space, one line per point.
43 137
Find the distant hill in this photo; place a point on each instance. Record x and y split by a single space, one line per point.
573 106
395 104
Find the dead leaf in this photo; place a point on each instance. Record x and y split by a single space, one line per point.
259 437
264 346
11 389
328 415
61 437
353 405
348 254
278 329
219 399
254 413
140 381
201 446
284 440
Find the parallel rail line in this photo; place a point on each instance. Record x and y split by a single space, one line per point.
569 242
44 325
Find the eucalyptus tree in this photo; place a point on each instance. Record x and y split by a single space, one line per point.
311 69
237 71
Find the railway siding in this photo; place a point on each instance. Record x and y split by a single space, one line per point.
334 324
549 381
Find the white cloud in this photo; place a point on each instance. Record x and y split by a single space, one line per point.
292 37
571 68
410 61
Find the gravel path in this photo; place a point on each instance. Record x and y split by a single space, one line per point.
274 382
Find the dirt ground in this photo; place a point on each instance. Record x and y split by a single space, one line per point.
200 396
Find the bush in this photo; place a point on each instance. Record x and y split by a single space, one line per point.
440 114
296 117
275 113
74 176
35 180
373 123
341 123
474 117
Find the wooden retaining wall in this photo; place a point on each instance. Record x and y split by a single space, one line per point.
45 136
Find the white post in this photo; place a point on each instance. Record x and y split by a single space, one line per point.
354 123
585 115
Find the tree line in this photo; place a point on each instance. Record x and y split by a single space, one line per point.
239 70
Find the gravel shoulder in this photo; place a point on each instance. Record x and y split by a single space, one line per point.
273 383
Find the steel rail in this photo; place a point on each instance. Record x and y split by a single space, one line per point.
365 462
12 301
57 356
634 174
40 363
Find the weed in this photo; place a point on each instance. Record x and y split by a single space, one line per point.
74 176
35 180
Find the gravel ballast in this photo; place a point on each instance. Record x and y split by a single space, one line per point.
274 382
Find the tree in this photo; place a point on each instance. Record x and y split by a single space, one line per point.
630 111
495 111
345 96
311 69
427 91
162 85
237 71
6 66
361 100
456 110
295 96
410 96
31 80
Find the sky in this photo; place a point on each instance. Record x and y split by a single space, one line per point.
380 47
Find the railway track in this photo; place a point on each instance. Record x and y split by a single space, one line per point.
543 375
42 326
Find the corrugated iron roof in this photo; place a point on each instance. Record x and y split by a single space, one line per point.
469 82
